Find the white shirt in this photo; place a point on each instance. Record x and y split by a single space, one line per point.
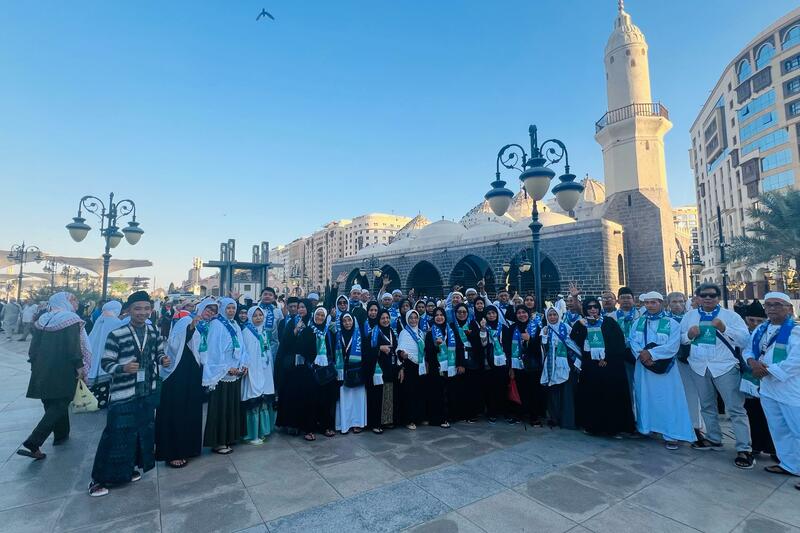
29 312
782 384
718 359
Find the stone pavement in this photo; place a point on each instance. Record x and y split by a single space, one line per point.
470 478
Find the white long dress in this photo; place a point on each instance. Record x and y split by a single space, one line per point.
351 408
660 398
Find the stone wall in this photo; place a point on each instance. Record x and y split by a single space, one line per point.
584 252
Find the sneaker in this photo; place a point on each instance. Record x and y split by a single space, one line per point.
136 476
705 445
96 489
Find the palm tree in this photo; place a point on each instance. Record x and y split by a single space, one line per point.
774 233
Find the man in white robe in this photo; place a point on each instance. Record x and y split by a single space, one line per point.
713 334
774 356
660 399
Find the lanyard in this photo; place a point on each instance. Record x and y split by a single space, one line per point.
139 346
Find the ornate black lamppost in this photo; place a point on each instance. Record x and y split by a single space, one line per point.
687 261
19 253
536 176
109 230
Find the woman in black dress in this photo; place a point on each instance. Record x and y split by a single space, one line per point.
439 352
469 364
604 401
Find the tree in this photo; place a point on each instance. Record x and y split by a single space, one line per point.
774 233
119 288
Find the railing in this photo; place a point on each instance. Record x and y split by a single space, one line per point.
655 109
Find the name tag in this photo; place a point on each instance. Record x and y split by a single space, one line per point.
140 376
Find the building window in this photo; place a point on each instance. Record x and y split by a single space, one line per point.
792 38
770 140
793 63
621 269
791 87
778 181
743 71
764 55
793 109
759 104
758 125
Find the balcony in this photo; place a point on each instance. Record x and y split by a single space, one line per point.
655 109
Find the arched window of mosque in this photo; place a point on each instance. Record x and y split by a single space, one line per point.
627 52
743 70
611 59
633 62
792 37
647 145
621 269
764 55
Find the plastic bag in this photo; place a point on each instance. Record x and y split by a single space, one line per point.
84 401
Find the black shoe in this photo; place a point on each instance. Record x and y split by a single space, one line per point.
705 445
744 460
62 440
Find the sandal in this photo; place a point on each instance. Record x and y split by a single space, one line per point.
329 433
309 437
96 489
671 445
777 469
412 426
444 425
377 431
744 460
357 430
36 455
223 450
177 463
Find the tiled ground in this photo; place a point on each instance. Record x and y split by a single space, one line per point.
469 478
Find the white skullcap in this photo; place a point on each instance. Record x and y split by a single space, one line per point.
364 291
652 295
471 291
397 291
778 296
386 295
313 296
355 287
457 292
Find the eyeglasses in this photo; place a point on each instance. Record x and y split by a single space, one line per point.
709 295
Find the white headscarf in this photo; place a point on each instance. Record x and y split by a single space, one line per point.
406 343
107 322
60 313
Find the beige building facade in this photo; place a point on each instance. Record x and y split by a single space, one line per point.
745 142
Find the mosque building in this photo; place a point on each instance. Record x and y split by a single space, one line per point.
621 232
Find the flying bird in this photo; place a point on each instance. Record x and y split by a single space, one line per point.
265 13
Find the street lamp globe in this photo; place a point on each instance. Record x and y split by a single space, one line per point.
499 197
78 229
362 272
114 238
536 178
377 272
506 267
697 263
132 232
525 266
568 192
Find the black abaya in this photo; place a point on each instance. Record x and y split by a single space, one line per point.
604 401
435 385
179 417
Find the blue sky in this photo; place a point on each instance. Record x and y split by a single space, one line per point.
219 126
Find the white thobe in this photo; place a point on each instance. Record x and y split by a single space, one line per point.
660 399
718 359
780 396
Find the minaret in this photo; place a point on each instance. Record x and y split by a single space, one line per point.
631 134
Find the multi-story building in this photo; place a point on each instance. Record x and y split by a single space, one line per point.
745 142
373 228
685 219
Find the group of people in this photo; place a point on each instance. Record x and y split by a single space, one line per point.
610 366
17 318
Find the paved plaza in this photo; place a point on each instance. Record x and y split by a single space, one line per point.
470 478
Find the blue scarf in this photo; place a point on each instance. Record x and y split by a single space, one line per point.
231 331
677 318
269 315
708 317
779 339
570 317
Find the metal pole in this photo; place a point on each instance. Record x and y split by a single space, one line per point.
106 262
19 283
722 259
683 265
536 228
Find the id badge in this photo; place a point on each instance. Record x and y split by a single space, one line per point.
140 376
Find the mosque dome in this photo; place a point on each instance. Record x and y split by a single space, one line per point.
547 218
594 193
444 230
625 31
411 227
482 213
487 229
372 249
521 206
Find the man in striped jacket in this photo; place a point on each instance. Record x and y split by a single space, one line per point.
132 355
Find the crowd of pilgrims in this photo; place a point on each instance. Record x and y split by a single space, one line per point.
604 365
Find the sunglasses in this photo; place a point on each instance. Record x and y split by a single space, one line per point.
709 295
